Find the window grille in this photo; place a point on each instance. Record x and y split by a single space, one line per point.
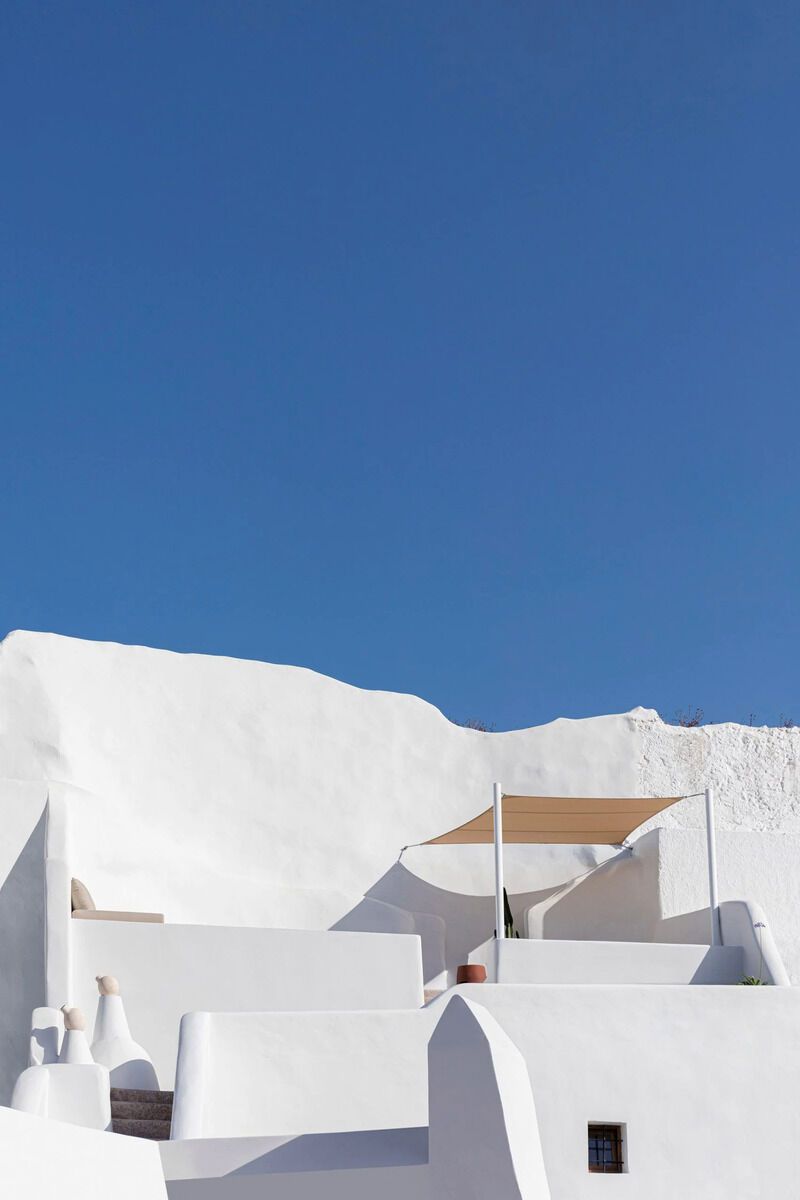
605 1149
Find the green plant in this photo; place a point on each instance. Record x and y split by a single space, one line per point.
508 917
756 980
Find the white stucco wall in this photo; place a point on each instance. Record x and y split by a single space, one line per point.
228 792
588 962
22 922
168 970
483 1128
755 773
482 1138
383 1183
212 787
250 1074
704 1078
76 1093
752 865
49 1160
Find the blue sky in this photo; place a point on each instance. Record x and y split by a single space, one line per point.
442 347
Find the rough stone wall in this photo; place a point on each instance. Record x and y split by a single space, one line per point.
755 773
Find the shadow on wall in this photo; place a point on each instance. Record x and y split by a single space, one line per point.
690 927
22 938
614 901
469 920
337 1151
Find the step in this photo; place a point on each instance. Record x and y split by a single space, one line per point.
142 1095
156 1130
140 1111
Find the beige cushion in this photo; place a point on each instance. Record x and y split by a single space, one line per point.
81 899
97 914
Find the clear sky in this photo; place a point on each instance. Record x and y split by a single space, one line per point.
443 347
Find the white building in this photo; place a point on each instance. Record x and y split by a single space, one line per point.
287 945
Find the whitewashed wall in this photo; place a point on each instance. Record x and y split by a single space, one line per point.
213 786
759 865
50 1160
230 792
547 961
481 1140
248 1074
168 970
704 1078
22 922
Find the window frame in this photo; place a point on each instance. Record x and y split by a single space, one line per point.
615 1133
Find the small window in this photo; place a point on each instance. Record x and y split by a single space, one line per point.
605 1149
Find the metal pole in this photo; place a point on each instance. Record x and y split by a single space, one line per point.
499 906
713 896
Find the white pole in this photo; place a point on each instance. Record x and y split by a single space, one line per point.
713 896
499 906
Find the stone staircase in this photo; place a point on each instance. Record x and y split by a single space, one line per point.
141 1114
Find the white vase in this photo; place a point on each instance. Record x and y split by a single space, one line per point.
128 1063
75 1048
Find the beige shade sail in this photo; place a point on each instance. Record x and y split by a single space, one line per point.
561 820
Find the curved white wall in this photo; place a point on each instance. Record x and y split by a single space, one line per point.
212 786
704 1078
168 970
248 1074
50 1160
75 1093
22 922
242 793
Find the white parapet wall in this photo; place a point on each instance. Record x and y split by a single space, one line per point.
22 922
744 923
249 1074
761 866
481 1142
72 1092
484 1131
47 1160
168 970
211 787
522 960
704 1080
221 791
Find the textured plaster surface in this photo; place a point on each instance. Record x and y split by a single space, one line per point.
755 773
167 970
52 1160
704 1078
229 792
307 1072
702 1063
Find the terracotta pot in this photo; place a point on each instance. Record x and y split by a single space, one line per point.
471 973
